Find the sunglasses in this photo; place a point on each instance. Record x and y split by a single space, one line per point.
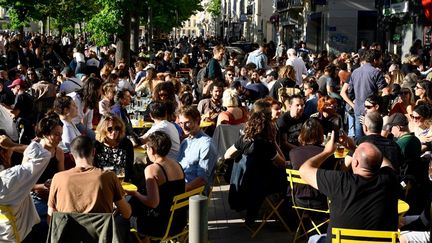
417 87
230 74
116 128
404 93
369 106
416 117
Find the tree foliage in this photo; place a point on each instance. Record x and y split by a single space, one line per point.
214 7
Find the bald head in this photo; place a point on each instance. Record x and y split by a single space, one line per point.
369 157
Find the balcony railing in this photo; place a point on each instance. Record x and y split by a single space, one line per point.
282 5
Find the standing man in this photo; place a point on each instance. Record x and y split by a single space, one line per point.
70 82
290 123
259 57
364 82
298 64
365 198
197 154
214 69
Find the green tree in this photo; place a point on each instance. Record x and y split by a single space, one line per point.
214 7
21 12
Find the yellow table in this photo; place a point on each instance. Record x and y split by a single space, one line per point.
129 186
403 207
140 155
142 124
204 124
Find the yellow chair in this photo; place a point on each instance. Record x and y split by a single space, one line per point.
273 207
302 212
340 235
179 202
7 217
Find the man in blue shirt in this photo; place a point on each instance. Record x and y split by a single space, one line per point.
197 155
364 82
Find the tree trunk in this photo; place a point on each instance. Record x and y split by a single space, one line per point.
60 30
123 40
44 25
134 34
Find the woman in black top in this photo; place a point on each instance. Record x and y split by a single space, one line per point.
164 180
264 171
113 149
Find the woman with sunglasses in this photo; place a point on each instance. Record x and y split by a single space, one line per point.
423 90
420 124
404 103
112 148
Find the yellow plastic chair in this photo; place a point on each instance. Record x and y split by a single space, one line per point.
302 212
272 209
7 217
340 235
179 201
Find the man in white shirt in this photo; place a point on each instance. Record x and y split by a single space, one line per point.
298 64
70 83
15 185
158 113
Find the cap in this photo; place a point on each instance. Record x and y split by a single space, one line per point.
150 66
17 82
397 119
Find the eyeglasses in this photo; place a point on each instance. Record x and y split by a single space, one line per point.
416 117
187 123
369 106
116 128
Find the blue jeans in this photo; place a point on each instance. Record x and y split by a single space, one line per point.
350 124
358 128
318 238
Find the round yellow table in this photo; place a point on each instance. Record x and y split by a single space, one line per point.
403 207
129 186
204 124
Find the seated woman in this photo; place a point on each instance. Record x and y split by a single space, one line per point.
310 139
112 148
164 180
420 125
65 107
265 163
327 114
233 114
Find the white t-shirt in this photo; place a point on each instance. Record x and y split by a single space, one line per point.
170 129
68 86
124 84
70 131
84 117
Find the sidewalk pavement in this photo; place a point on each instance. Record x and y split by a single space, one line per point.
226 225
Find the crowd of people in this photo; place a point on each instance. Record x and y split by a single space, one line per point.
67 126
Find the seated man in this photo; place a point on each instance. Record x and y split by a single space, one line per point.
197 155
15 185
158 113
85 188
364 199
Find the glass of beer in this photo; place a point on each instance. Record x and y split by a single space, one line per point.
339 153
120 172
